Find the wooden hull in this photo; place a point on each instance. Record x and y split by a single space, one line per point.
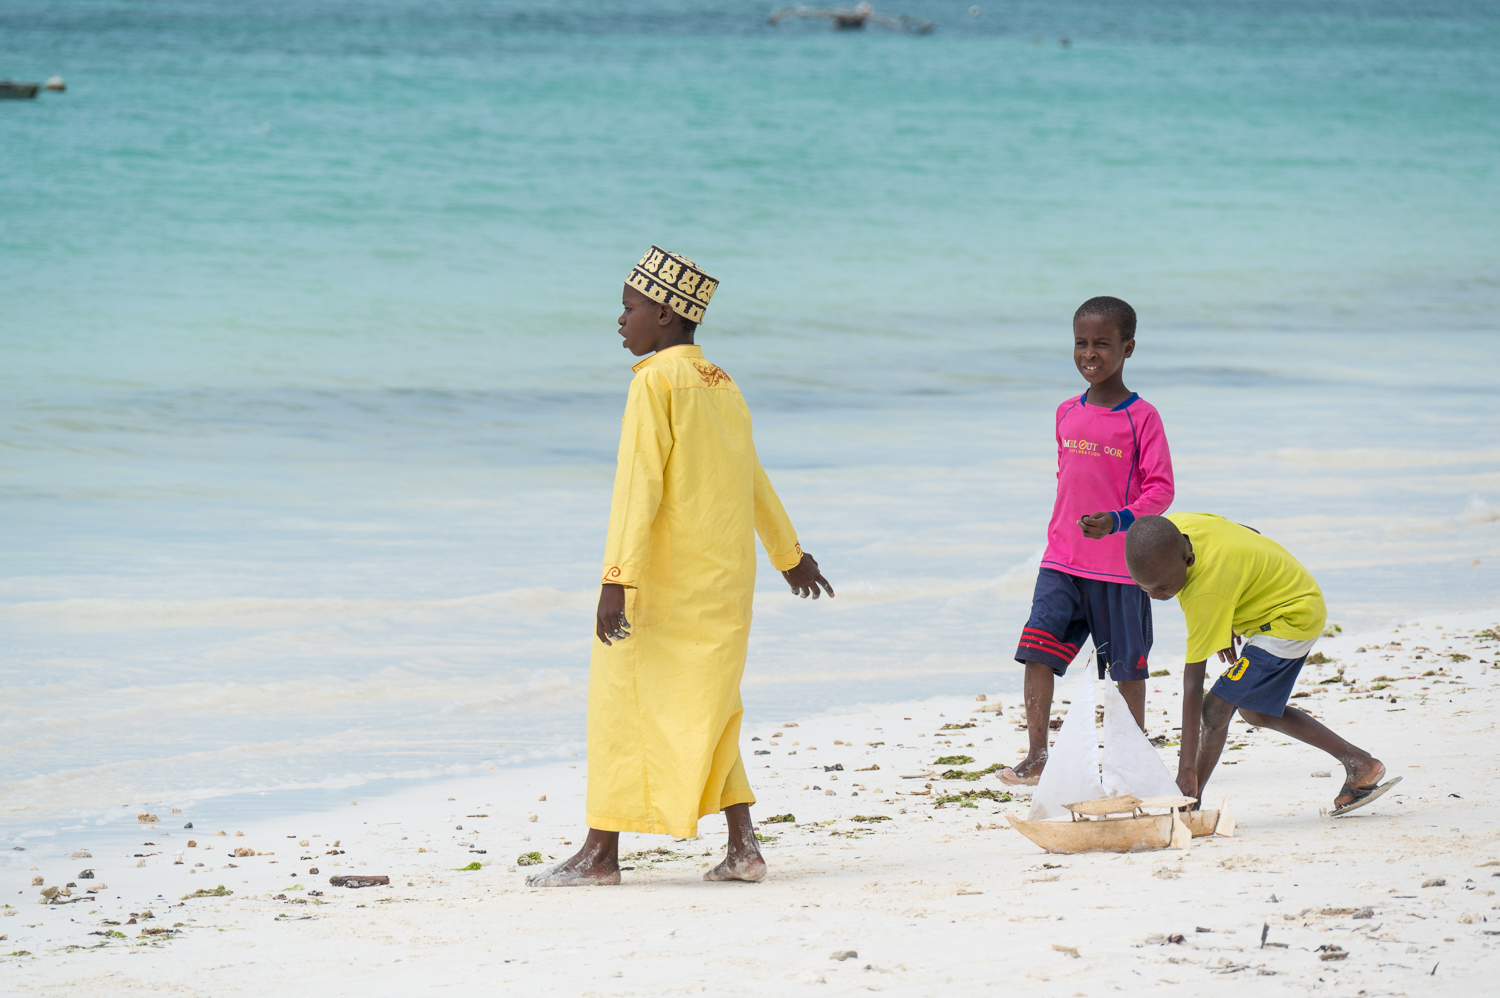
1201 823
1210 822
1144 834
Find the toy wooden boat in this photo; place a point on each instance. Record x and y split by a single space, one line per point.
1120 824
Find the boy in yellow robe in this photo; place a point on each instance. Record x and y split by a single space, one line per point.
674 607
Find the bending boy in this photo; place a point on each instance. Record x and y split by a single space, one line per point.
674 606
1234 584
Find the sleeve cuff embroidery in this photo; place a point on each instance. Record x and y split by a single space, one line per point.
789 560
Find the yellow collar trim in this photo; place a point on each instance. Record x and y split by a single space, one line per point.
680 350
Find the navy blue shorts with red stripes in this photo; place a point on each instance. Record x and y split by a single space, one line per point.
1066 609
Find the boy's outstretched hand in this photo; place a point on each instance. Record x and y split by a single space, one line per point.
1097 525
804 579
610 620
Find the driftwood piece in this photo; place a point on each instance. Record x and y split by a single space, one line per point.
357 880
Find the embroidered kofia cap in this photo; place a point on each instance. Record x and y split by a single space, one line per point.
675 281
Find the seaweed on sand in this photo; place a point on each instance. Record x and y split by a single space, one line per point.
963 796
963 774
209 892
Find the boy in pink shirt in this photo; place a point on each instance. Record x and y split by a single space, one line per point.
1112 466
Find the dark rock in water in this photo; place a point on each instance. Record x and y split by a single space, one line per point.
188 825
86 875
350 880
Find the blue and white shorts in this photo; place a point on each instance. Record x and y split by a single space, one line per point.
1262 678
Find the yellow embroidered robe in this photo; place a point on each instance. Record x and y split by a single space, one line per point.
664 704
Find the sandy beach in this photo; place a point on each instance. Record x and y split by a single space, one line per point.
936 894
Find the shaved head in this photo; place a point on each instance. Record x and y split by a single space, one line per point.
1158 556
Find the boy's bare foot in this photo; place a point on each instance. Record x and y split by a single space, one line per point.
747 868
1026 773
1359 774
596 864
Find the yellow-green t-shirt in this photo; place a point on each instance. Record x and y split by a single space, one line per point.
1244 583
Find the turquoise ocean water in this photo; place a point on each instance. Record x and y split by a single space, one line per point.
309 384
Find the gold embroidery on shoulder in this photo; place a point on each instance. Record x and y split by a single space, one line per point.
712 374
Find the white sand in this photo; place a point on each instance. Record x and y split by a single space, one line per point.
935 901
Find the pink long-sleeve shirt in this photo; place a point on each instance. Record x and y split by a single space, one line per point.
1108 461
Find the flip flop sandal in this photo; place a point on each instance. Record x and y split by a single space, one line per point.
1009 778
1362 796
